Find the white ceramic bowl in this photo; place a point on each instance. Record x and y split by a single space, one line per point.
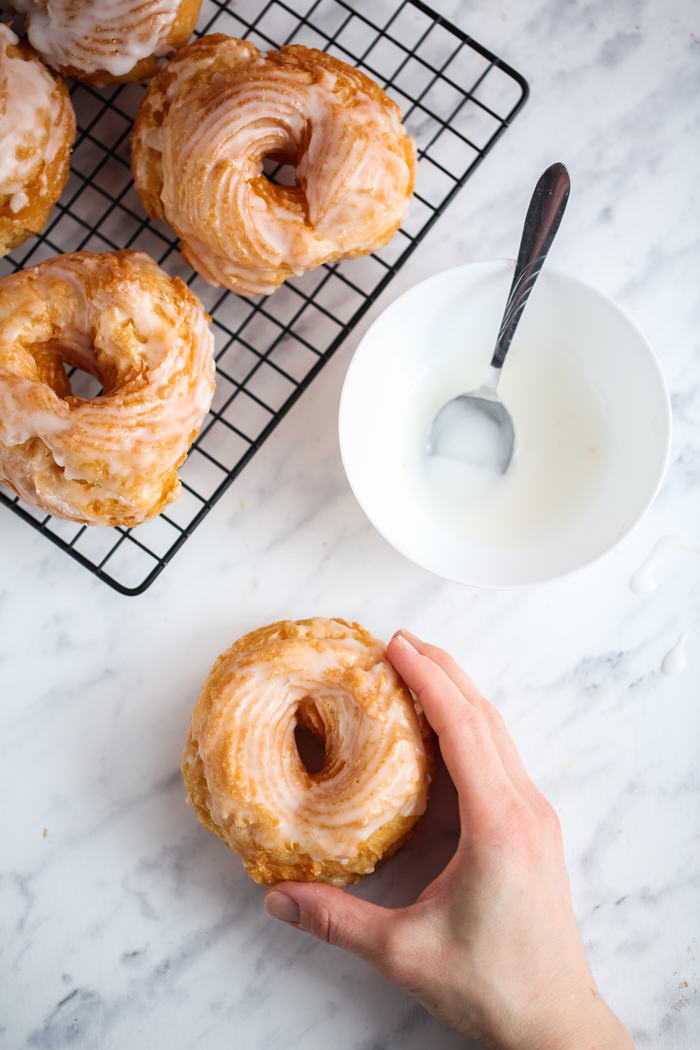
434 342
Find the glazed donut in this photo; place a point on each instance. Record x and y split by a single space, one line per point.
107 41
112 459
219 109
246 779
37 130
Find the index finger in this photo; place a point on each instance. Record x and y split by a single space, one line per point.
512 762
466 743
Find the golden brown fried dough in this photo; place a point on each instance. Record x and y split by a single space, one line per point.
220 109
113 459
102 42
244 773
37 131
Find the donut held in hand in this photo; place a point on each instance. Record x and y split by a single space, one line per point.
244 773
37 130
219 109
107 41
111 459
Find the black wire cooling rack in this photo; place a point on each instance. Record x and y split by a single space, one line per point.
457 97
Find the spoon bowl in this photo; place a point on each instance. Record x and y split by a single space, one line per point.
476 428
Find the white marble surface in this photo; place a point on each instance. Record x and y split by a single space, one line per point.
123 922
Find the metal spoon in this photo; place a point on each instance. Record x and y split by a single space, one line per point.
476 427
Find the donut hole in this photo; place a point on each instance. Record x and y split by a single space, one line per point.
82 384
60 368
280 172
311 747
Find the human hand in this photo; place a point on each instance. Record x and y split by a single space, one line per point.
491 946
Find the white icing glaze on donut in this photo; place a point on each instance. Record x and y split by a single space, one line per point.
377 769
28 132
18 201
354 162
96 35
151 347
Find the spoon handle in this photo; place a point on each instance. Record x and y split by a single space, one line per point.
544 214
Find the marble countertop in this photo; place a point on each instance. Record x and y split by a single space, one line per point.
123 922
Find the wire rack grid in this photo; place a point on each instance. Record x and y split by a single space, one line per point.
457 98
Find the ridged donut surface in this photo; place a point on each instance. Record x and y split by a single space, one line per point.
110 459
213 116
107 41
37 129
244 773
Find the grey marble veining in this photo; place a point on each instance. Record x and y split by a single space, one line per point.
123 922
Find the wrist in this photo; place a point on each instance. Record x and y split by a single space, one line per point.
592 1026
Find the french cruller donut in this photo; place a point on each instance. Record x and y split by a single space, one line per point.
244 773
219 109
107 41
37 129
111 459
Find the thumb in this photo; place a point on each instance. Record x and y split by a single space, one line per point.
333 916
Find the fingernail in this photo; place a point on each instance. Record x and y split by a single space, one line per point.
280 906
406 638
